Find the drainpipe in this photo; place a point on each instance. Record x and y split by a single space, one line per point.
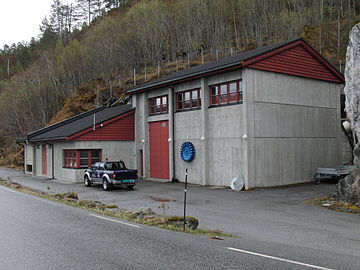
52 160
173 133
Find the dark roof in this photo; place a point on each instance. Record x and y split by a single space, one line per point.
75 124
211 66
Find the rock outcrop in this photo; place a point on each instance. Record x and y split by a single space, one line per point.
348 189
352 80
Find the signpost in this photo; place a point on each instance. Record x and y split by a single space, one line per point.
186 174
187 153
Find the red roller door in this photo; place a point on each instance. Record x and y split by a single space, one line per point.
159 149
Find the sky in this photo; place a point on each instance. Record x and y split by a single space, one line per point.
20 19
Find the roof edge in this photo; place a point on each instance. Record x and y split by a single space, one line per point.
245 62
308 48
49 139
181 78
98 125
63 122
150 86
66 138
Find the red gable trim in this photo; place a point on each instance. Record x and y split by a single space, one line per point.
106 133
297 59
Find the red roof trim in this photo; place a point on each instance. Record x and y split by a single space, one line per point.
301 43
99 125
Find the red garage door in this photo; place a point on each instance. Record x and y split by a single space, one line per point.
159 149
44 160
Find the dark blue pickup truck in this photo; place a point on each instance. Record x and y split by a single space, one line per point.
110 173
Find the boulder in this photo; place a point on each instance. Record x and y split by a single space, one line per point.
142 212
348 189
190 222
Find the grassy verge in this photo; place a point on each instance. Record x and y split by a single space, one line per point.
71 199
330 203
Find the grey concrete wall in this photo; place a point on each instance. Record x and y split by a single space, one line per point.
113 150
293 127
38 159
220 155
140 102
187 128
226 146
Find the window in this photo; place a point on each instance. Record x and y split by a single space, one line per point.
188 100
118 165
158 105
81 158
70 159
226 93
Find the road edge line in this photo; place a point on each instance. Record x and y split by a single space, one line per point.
117 221
279 259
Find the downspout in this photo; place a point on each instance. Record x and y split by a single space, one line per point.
173 134
52 160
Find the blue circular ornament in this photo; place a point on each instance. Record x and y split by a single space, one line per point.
187 151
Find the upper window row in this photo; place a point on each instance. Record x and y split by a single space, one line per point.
188 100
220 94
226 93
158 105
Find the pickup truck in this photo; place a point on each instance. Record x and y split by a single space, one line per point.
109 174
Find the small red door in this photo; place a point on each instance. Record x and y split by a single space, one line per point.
44 159
159 149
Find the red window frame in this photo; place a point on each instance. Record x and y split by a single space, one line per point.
72 157
188 100
158 105
226 93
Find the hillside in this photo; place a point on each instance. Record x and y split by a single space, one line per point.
74 67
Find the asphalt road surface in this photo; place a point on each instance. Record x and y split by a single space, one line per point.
39 234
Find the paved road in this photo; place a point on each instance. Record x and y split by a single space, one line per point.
40 234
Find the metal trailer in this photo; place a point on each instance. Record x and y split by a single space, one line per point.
336 172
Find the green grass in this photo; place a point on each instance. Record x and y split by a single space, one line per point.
332 204
113 211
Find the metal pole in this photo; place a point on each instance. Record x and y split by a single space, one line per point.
158 69
8 67
340 65
186 174
145 74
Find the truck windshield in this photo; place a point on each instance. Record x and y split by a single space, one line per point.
118 165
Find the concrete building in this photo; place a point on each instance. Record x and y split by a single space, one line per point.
65 149
269 116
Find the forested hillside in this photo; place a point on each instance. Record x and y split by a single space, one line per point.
89 51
